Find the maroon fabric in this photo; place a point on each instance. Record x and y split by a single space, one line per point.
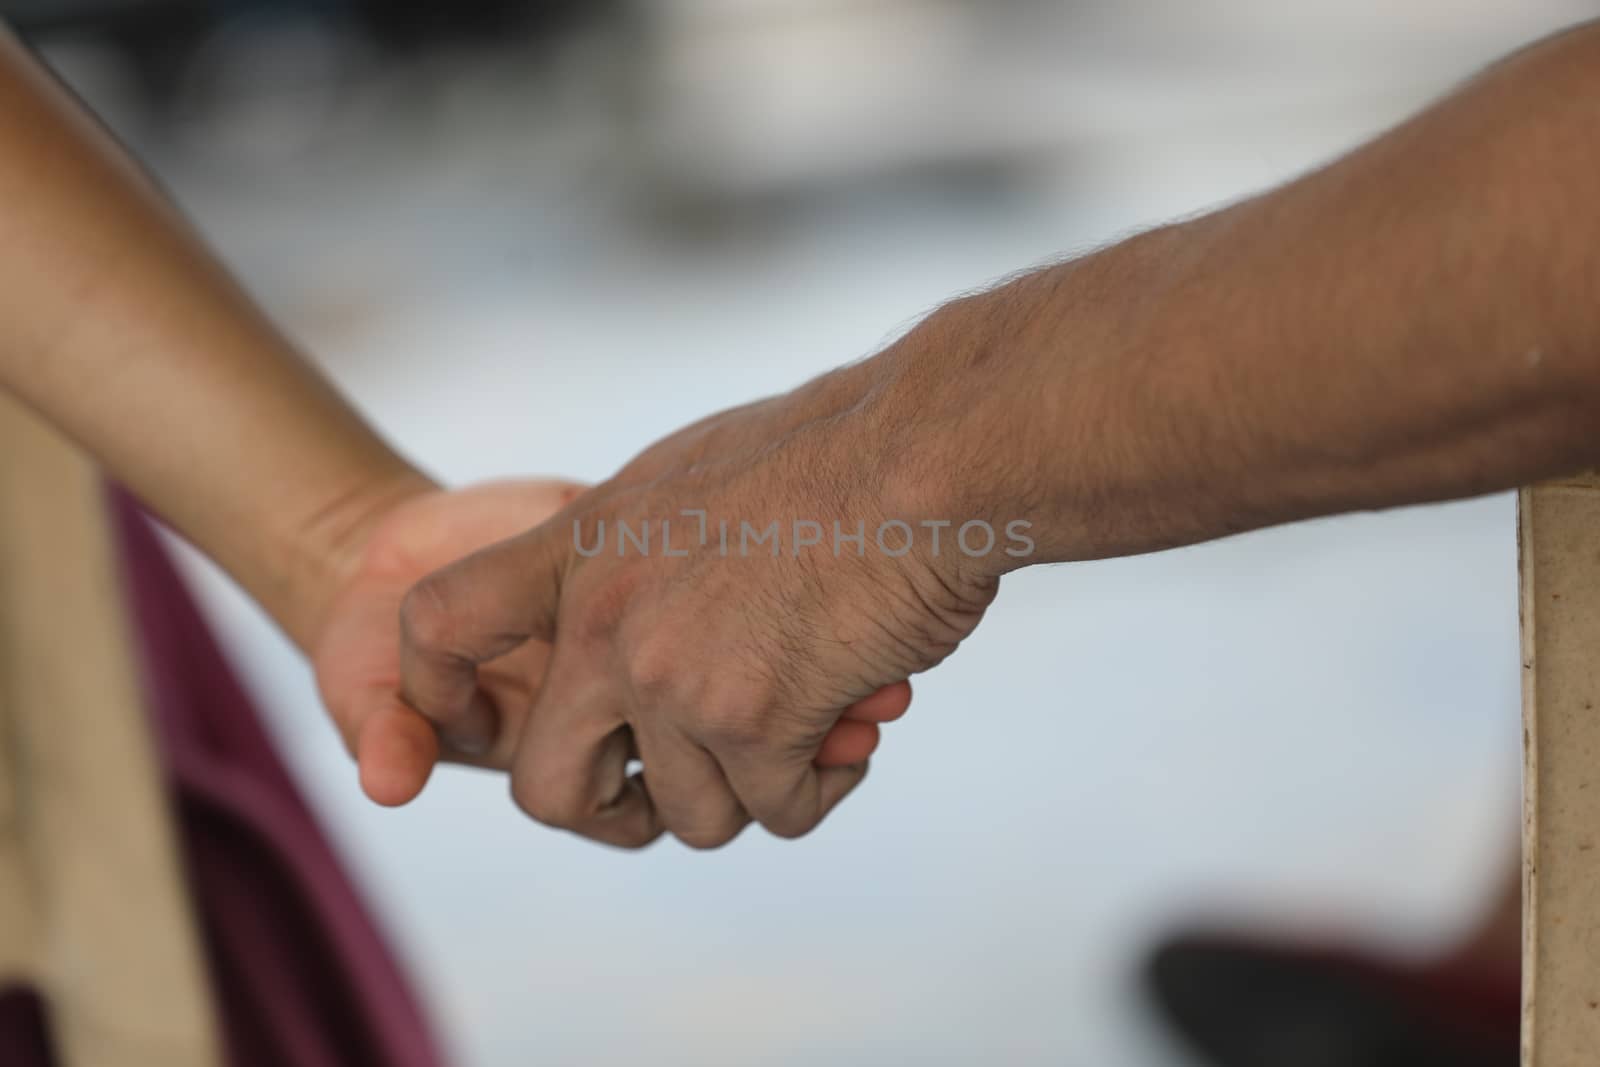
24 1042
300 974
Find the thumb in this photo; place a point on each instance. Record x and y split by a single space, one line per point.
396 751
473 611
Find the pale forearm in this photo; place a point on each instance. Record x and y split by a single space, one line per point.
121 329
1419 321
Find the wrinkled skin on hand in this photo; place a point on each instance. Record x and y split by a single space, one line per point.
725 675
357 655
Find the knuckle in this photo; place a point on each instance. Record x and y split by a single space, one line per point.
544 802
701 821
703 838
655 665
427 617
790 825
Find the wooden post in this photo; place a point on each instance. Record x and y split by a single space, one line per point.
1560 536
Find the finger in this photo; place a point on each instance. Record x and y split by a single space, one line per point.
692 799
571 764
474 732
855 737
848 742
468 613
789 797
886 705
396 750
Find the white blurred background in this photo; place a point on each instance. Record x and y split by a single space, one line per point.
536 249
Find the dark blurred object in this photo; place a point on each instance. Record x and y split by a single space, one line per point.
1244 1004
37 15
162 37
279 73
24 1037
395 21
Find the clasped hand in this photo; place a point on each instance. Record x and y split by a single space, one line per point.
684 648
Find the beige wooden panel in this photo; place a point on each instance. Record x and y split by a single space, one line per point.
1560 531
92 908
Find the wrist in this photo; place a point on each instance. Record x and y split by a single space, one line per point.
1035 407
962 393
326 547
938 419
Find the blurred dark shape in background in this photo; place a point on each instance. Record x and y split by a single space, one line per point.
165 41
710 110
701 112
393 21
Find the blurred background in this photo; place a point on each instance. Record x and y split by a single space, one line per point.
531 237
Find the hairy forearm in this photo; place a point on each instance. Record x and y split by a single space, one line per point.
120 328
1418 321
